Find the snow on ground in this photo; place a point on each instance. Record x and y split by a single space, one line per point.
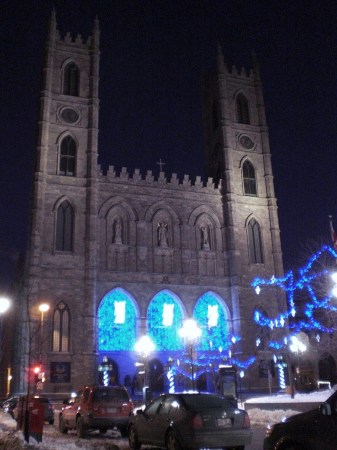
316 396
10 439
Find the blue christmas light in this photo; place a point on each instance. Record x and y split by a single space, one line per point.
116 321
164 318
210 316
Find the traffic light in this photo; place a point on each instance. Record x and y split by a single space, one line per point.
37 374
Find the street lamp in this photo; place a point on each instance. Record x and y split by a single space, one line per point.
334 279
190 332
4 306
144 347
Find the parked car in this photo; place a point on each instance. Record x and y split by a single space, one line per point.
48 408
190 421
312 430
97 408
9 405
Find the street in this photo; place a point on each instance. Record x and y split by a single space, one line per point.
122 443
53 439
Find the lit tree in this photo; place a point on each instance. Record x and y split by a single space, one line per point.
310 297
308 281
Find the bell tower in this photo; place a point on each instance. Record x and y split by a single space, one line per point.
63 234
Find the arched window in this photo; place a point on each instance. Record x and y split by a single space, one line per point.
116 322
61 328
67 156
255 244
64 227
71 80
242 109
164 318
249 179
210 316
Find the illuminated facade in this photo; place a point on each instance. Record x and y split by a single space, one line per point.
120 255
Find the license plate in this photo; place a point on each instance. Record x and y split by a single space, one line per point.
224 422
111 410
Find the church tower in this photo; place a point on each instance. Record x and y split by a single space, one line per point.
64 207
238 158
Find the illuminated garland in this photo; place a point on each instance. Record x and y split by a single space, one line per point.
290 284
205 362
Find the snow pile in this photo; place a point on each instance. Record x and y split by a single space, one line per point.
310 397
52 439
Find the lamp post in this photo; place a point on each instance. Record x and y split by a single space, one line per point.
297 347
144 347
43 308
190 332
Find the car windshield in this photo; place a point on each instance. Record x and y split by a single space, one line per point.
201 401
108 395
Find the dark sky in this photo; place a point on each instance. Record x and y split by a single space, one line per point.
152 56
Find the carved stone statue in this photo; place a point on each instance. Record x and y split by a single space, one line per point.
204 237
117 231
162 231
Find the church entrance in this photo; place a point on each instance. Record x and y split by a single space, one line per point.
156 376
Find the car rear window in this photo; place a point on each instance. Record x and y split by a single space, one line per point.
108 395
200 401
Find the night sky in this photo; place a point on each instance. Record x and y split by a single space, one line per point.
153 54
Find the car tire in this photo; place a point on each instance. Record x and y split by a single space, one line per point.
134 443
172 442
62 426
292 447
80 428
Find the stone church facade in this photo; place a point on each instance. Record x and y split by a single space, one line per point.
119 255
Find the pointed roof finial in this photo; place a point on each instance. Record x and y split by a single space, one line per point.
256 67
220 60
95 33
52 25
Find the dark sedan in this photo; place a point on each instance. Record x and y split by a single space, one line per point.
9 405
312 430
190 421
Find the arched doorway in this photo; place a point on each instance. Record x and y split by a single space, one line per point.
156 376
327 368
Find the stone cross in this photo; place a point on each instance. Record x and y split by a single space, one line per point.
161 164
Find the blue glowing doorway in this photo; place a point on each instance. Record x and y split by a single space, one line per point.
116 322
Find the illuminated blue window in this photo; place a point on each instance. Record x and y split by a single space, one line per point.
210 316
164 319
116 322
